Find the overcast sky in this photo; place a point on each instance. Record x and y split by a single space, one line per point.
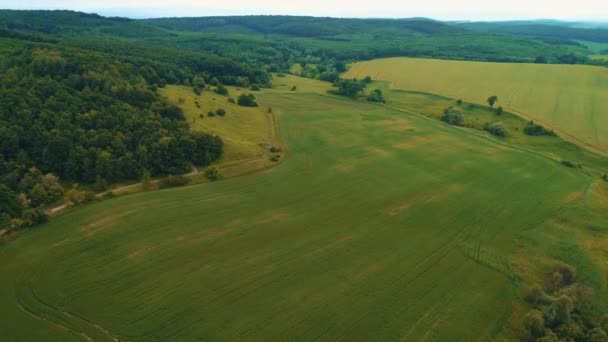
439 9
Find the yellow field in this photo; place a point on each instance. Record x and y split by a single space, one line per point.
572 99
243 129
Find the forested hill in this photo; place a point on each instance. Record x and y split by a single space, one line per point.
79 99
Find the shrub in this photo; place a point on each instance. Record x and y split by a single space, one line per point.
497 129
254 87
571 164
211 113
596 335
534 323
453 117
499 110
231 100
275 149
247 100
197 90
172 182
535 130
459 102
376 96
294 88
275 158
563 274
536 295
220 89
213 174
76 196
220 112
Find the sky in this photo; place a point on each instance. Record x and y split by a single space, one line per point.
594 10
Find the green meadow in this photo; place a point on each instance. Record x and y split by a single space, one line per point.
570 98
380 224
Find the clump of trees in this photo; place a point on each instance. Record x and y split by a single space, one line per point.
498 129
349 88
558 309
453 117
536 130
376 96
247 100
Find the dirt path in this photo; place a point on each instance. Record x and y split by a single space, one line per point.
195 171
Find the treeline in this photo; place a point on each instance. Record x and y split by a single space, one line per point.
78 117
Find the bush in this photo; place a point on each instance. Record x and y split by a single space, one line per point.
294 88
75 196
571 164
376 96
231 100
220 89
534 323
536 130
274 149
254 87
172 182
220 112
497 129
275 158
210 113
247 100
563 274
213 174
499 110
453 117
536 295
459 102
197 90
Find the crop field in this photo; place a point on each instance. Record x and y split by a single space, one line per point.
380 225
572 99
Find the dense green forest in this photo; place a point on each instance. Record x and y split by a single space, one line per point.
78 92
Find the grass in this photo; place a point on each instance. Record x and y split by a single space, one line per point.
570 99
380 225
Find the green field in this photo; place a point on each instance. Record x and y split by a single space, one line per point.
572 99
380 225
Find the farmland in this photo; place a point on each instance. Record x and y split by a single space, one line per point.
570 99
381 224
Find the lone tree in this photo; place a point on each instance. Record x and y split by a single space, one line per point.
492 100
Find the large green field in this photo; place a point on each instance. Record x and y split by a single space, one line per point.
572 99
380 225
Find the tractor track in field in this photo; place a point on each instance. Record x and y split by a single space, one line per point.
56 312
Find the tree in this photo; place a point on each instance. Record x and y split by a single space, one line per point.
247 100
497 129
453 117
213 174
376 96
146 182
492 100
534 323
198 81
499 110
596 335
221 90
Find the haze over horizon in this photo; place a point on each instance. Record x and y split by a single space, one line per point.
474 10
